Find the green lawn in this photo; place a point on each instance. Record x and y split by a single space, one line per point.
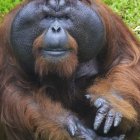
129 10
6 5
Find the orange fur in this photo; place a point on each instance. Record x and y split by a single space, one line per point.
122 66
64 67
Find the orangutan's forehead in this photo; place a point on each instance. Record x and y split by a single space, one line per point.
61 2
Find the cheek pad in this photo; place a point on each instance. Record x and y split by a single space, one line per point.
25 28
89 31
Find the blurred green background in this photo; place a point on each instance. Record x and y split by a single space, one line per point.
129 10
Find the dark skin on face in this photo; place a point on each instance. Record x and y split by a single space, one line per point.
68 71
56 21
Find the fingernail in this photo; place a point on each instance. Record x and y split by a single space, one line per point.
96 126
88 96
106 131
116 123
122 137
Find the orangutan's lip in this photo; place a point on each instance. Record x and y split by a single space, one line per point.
55 52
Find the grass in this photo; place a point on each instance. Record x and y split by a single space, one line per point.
6 5
129 10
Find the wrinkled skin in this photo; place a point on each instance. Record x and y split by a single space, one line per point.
73 17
